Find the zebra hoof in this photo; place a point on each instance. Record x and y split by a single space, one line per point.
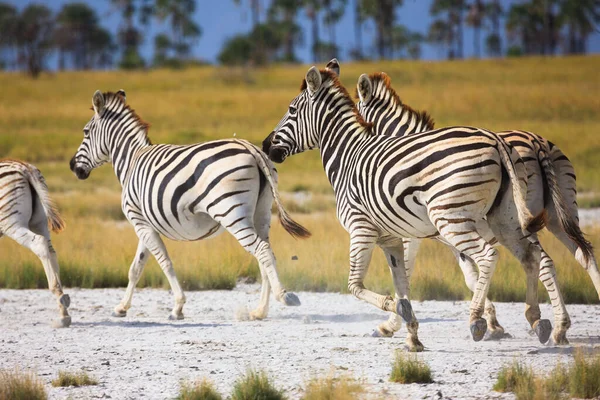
64 322
495 333
478 329
404 309
65 300
543 329
414 345
560 338
290 299
175 317
382 332
119 314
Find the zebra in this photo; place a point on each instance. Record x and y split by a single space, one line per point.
444 183
185 193
27 215
379 104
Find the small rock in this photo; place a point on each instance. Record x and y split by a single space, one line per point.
294 258
105 362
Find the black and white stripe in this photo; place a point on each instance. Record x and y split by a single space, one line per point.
547 191
27 215
186 193
439 183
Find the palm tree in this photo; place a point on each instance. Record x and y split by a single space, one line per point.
454 14
183 28
493 12
383 13
580 17
475 20
129 36
442 34
313 7
33 37
282 14
8 26
334 11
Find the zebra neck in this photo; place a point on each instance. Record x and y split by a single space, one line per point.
340 143
124 149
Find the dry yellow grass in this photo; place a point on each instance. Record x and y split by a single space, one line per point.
41 122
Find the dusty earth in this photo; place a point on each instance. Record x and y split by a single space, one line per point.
146 356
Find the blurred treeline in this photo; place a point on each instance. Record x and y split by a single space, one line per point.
75 33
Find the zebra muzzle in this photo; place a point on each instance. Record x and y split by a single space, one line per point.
79 171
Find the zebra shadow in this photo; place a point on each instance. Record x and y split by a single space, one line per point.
355 317
149 324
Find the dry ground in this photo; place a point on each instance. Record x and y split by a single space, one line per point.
146 356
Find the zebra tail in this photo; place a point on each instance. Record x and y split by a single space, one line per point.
291 226
36 180
566 220
518 176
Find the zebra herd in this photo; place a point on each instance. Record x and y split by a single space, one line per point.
396 181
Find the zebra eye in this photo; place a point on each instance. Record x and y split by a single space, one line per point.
292 110
86 132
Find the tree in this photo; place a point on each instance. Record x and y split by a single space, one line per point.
282 16
183 28
359 19
313 7
580 17
334 11
475 20
406 43
259 47
129 35
383 13
33 37
493 42
454 19
8 32
78 34
442 34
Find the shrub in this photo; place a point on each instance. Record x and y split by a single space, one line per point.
202 390
332 389
73 379
584 376
255 385
17 385
409 369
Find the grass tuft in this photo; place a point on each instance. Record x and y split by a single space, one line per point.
201 390
409 369
330 388
513 376
17 385
584 376
76 379
255 385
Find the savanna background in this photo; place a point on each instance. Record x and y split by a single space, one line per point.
549 86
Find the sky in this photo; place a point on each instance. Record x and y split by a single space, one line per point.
222 19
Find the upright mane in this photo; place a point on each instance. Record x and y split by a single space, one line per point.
330 76
381 79
115 102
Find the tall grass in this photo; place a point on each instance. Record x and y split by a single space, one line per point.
96 253
331 388
18 385
76 379
201 390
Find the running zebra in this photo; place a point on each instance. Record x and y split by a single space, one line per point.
446 183
27 214
185 193
380 105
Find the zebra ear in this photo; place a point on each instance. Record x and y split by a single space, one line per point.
98 101
334 66
313 80
122 93
364 88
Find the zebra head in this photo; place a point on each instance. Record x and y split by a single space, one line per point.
298 129
94 151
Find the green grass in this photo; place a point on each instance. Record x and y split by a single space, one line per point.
255 385
331 388
201 390
584 374
409 369
18 385
76 379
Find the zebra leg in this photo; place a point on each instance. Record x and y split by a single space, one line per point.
151 239
41 246
464 237
362 242
562 321
135 272
395 259
471 274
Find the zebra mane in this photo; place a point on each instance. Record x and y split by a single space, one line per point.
115 102
380 78
330 76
